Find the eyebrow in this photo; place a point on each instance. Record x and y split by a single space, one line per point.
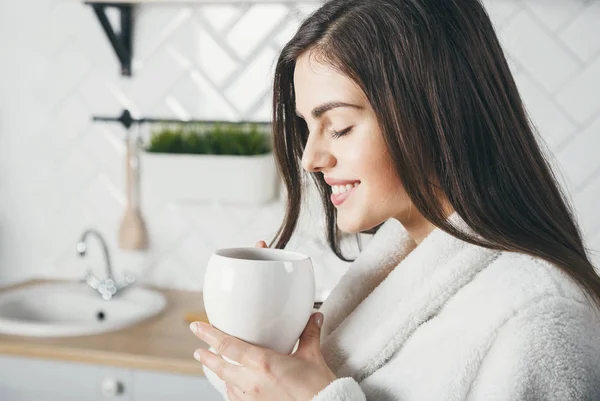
325 107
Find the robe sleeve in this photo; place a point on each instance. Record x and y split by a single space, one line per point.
344 389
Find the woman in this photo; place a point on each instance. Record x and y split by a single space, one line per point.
476 284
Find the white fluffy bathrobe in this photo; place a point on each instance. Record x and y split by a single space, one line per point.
448 320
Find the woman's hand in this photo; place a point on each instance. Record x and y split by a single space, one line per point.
267 375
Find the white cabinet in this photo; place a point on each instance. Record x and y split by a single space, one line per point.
29 379
150 386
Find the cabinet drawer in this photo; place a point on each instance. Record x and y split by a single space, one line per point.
21 378
158 386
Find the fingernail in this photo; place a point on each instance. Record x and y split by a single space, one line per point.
319 319
197 355
194 327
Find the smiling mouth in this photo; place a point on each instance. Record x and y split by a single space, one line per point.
342 192
340 189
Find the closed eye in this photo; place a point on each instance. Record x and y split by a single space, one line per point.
337 134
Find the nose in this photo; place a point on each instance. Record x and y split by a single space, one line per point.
316 157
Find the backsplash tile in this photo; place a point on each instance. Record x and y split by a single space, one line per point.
583 148
585 25
256 27
581 99
60 173
538 52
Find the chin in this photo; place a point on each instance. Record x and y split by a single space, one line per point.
345 225
351 225
358 224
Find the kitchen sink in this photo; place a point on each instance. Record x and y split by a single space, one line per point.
73 309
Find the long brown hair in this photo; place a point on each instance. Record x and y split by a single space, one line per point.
453 121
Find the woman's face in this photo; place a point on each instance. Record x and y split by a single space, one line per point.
356 164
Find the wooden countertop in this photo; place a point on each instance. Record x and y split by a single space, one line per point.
162 343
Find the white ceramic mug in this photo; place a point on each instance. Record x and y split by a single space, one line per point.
262 296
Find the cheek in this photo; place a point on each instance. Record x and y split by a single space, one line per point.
385 189
384 195
381 195
381 176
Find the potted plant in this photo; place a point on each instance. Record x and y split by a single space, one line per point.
214 161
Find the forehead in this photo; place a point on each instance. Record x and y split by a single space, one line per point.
316 82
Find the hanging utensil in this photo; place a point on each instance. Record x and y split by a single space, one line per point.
132 233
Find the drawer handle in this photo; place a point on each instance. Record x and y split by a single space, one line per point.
112 387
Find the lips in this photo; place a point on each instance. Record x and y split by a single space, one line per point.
338 181
339 198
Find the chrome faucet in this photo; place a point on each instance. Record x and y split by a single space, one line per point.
107 287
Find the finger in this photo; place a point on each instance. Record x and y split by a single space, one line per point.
229 346
310 340
261 244
231 374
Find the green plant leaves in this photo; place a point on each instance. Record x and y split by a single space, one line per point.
221 138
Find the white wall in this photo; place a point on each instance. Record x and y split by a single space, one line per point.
60 173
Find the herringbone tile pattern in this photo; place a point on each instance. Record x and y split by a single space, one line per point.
60 173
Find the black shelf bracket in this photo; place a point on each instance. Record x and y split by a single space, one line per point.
121 42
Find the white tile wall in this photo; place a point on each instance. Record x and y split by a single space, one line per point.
60 173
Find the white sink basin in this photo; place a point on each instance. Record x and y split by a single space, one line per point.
73 309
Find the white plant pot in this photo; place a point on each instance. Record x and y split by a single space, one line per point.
223 178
